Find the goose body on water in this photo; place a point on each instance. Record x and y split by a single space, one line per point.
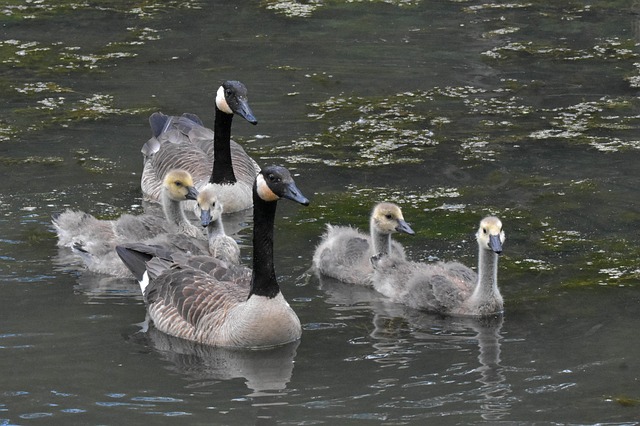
448 288
210 156
94 240
209 301
344 253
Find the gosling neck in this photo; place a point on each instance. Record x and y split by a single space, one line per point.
486 295
263 280
381 243
222 172
215 228
174 214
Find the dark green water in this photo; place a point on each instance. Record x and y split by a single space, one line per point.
452 109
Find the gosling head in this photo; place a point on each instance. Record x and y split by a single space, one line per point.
275 182
231 98
208 208
490 235
387 219
179 185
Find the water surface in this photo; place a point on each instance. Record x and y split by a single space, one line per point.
452 109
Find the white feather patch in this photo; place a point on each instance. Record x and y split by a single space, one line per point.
264 191
144 282
221 101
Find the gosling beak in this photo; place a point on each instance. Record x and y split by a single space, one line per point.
244 111
294 194
192 193
495 244
404 227
205 218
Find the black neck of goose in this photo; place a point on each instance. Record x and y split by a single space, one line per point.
263 280
222 172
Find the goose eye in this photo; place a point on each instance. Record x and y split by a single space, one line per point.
228 92
273 178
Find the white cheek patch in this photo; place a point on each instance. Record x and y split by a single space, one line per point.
221 101
264 191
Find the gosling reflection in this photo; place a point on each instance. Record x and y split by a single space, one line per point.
264 370
402 335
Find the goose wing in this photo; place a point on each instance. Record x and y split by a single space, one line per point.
184 156
195 297
185 294
439 287
183 142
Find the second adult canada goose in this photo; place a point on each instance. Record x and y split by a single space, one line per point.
210 156
209 301
344 253
209 210
94 240
448 288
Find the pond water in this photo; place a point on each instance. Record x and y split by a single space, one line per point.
528 110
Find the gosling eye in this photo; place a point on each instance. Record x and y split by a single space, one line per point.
388 216
484 230
178 183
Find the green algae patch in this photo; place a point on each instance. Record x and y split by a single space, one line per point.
35 234
304 9
625 401
12 161
366 132
93 164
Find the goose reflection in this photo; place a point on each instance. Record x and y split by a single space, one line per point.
264 371
401 333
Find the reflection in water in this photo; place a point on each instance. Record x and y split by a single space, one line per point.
494 390
392 347
94 285
264 370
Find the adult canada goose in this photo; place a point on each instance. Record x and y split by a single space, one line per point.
94 240
209 301
209 210
344 253
448 288
183 142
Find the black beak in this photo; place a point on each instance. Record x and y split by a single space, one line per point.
495 244
404 227
192 193
244 111
294 194
205 218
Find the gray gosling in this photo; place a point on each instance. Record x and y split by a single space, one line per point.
209 210
94 240
344 253
447 288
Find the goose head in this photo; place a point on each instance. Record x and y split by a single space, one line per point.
387 219
490 235
208 208
275 182
179 185
231 98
